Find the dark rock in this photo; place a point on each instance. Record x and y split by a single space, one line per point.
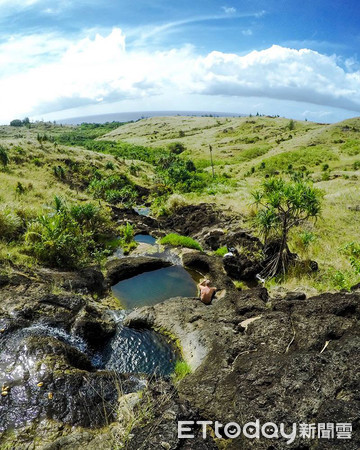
209 266
72 303
162 431
240 267
297 363
141 223
4 280
355 288
290 296
89 279
94 330
121 269
191 219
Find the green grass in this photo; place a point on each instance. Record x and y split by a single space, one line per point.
221 251
182 369
176 240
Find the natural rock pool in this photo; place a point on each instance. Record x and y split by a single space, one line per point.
154 287
138 350
145 239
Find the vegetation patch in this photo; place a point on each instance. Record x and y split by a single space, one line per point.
176 240
182 369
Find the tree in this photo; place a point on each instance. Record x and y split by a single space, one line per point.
282 205
16 123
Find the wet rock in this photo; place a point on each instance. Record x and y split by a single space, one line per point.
121 269
84 281
95 330
72 303
43 365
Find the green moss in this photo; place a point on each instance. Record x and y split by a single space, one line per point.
176 240
182 369
221 251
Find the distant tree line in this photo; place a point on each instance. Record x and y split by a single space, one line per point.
20 123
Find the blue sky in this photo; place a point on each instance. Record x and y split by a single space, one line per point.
64 59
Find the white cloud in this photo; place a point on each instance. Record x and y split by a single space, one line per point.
229 9
102 70
247 32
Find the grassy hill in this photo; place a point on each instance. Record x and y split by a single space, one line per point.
114 163
247 149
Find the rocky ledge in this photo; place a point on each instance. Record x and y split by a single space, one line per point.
282 361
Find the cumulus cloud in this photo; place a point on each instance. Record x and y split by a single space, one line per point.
103 70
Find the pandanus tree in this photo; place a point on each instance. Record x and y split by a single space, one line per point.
282 205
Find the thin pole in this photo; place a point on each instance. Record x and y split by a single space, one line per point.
212 163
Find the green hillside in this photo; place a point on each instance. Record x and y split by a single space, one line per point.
248 149
143 162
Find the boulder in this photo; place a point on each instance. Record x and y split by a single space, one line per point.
121 269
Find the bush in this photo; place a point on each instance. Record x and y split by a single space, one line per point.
69 236
176 148
16 123
10 224
4 158
176 240
174 202
127 241
114 189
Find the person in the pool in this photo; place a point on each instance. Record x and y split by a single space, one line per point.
206 292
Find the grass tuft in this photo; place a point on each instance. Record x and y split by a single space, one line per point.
176 240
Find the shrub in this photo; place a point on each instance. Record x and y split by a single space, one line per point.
4 158
291 125
177 240
109 166
69 236
59 172
174 202
352 250
114 189
16 123
304 240
176 148
10 224
282 205
127 241
356 165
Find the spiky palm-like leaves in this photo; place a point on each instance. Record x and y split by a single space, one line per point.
282 205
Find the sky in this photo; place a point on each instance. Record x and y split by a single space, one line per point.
70 58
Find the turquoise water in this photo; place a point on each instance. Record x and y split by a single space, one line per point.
145 239
142 210
154 287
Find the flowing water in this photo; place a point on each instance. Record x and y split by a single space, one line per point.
138 350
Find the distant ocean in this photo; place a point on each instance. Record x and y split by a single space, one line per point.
129 116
